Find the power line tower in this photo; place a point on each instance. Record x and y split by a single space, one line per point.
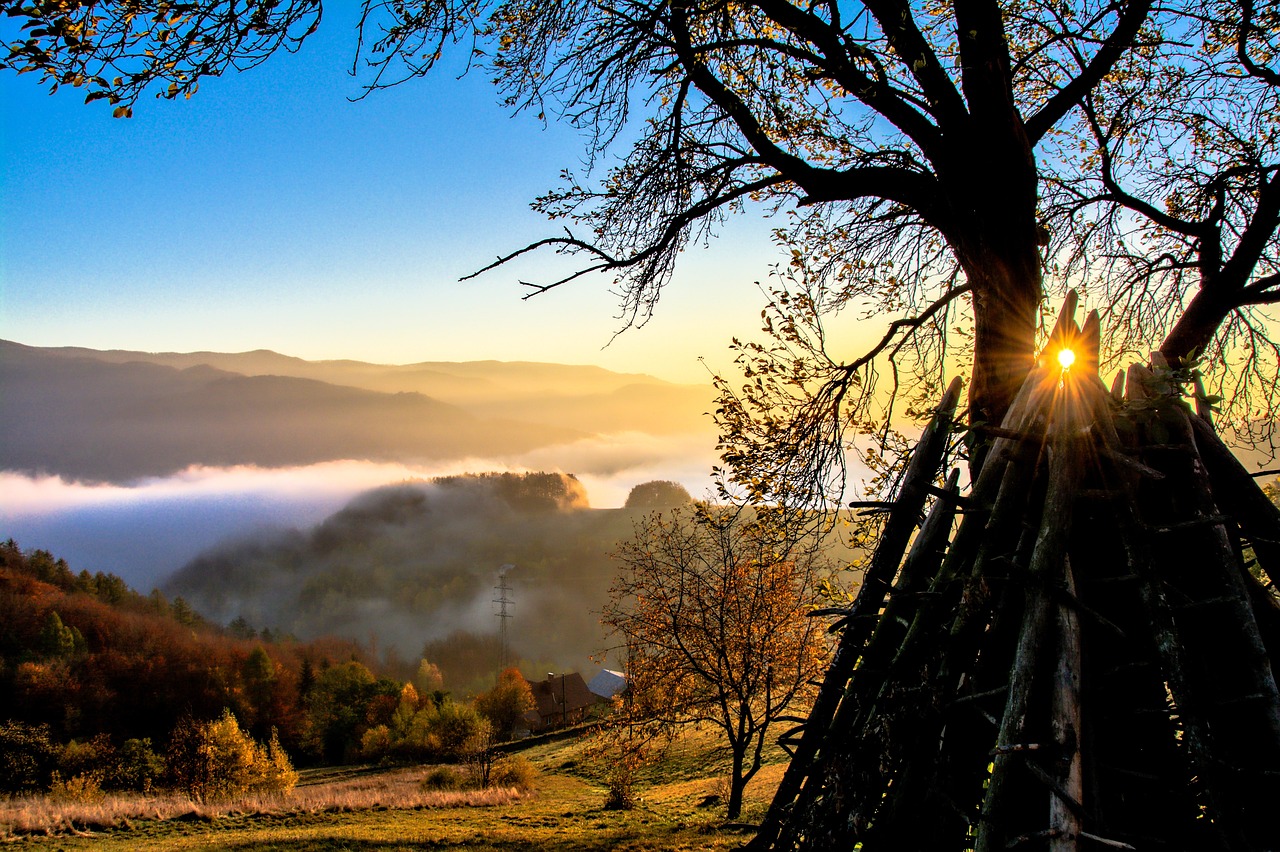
503 601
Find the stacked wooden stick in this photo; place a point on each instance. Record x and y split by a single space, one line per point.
1084 661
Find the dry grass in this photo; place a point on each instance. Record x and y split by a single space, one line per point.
336 793
354 810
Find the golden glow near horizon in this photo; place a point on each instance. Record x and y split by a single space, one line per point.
1066 358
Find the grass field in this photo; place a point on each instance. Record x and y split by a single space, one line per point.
384 811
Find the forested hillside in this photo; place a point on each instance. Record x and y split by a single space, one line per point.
415 565
105 688
87 656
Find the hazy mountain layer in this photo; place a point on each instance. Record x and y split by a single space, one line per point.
116 416
583 398
88 419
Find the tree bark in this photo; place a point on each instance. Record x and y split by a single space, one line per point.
1196 327
992 186
736 784
1007 295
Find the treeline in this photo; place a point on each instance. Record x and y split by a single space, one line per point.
101 683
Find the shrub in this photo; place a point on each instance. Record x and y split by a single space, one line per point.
479 753
28 756
443 778
96 757
77 788
514 771
278 775
376 743
137 767
443 732
184 760
218 760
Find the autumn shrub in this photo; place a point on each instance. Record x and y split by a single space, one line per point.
435 732
513 771
277 774
443 778
28 756
86 787
377 744
218 760
480 753
453 728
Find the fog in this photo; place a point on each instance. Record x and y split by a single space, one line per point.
147 530
413 566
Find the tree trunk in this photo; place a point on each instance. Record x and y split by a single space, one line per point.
1195 329
736 783
991 183
1007 299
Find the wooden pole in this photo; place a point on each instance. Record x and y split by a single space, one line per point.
1066 800
894 538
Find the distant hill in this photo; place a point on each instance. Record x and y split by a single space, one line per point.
582 397
117 416
416 564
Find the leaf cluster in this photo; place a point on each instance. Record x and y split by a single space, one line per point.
116 49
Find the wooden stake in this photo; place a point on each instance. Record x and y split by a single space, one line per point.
1064 819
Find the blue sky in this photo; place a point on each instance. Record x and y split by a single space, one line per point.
270 212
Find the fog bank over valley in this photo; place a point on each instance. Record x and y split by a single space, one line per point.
138 463
411 569
146 531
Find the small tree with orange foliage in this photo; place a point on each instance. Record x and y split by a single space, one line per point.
713 608
505 705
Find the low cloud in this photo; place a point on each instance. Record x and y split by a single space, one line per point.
146 530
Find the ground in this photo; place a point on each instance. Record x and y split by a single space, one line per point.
564 811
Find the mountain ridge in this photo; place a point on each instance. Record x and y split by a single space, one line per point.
112 417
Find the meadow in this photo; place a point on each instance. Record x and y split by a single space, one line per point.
387 810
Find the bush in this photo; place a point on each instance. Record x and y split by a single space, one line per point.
376 744
443 732
28 756
218 760
96 757
514 771
77 788
278 775
137 767
443 778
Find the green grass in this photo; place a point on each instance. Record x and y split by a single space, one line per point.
564 811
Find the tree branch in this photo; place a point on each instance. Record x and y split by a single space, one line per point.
1074 92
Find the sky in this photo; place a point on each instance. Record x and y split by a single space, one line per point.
269 211
272 212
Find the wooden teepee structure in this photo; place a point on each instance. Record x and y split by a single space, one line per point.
1084 661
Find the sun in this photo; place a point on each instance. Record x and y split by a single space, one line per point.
1066 358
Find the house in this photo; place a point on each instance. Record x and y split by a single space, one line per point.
561 699
607 684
